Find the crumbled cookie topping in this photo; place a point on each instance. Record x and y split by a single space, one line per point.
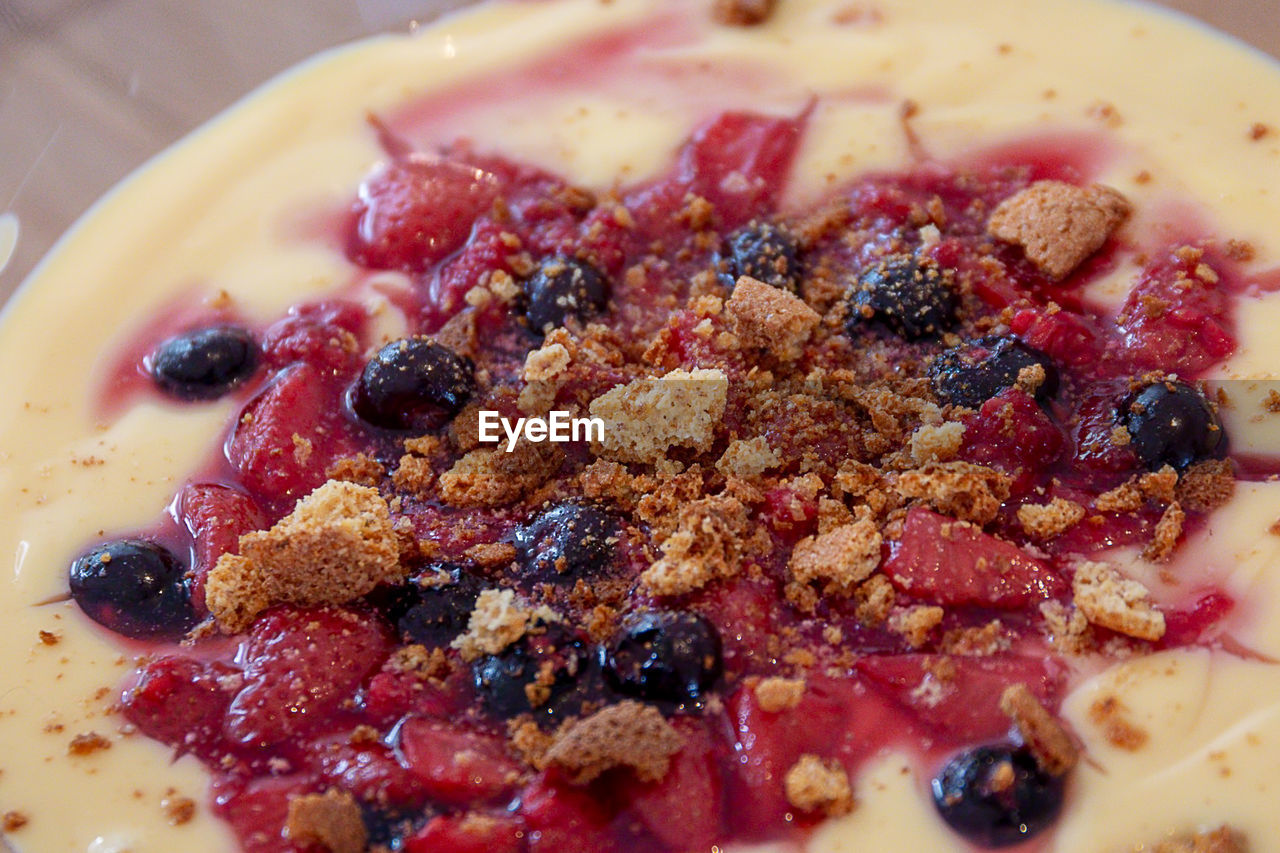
1224 839
1110 715
838 559
1048 741
87 744
1112 601
1045 521
12 821
776 694
743 13
816 785
645 418
627 734
337 545
770 319
487 477
331 820
497 621
962 490
1058 224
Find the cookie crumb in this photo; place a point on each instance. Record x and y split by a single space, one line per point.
1206 485
1045 521
178 810
628 734
1109 714
770 318
489 477
1224 839
13 821
336 545
1165 538
1058 224
962 490
1048 741
742 13
915 623
815 785
645 418
936 443
747 459
777 694
496 622
331 820
49 638
1112 601
840 559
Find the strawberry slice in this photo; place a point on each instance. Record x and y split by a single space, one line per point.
369 770
561 818
468 833
178 701
1012 433
456 765
684 810
324 334
216 516
958 698
415 212
949 562
257 811
302 664
287 436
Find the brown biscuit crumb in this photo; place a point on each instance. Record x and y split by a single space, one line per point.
777 694
747 459
414 474
711 536
1165 538
1115 602
1045 521
1221 840
1123 498
1067 628
360 469
939 443
742 13
87 744
1159 485
960 489
627 734
496 622
976 641
13 821
1108 714
915 623
1058 224
875 597
492 554
839 559
178 810
337 545
769 318
1206 485
646 417
419 661
1048 741
814 785
331 820
529 742
49 638
493 477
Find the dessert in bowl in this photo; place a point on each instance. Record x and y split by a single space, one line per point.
928 504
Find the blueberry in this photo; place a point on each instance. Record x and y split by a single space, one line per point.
976 371
431 615
134 587
563 288
1171 423
413 383
205 363
997 795
568 541
506 680
766 252
664 656
912 297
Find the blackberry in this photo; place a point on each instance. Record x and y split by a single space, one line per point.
1171 423
766 252
563 288
568 541
134 587
976 371
665 656
509 682
997 795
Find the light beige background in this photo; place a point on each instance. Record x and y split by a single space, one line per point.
89 89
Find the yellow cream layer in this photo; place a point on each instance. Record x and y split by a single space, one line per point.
215 212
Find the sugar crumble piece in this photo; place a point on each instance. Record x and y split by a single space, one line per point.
336 545
1126 497
1165 537
961 490
12 821
1058 224
777 694
491 554
628 734
747 458
1045 521
645 418
709 539
488 477
1066 627
838 560
49 638
496 622
1110 715
1048 741
1206 485
875 599
87 744
1111 601
771 319
543 374
936 442
331 820
915 623
1030 378
359 469
742 13
814 785
976 640
1223 839
1159 485
414 474
178 810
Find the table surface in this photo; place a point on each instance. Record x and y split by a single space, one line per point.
89 89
